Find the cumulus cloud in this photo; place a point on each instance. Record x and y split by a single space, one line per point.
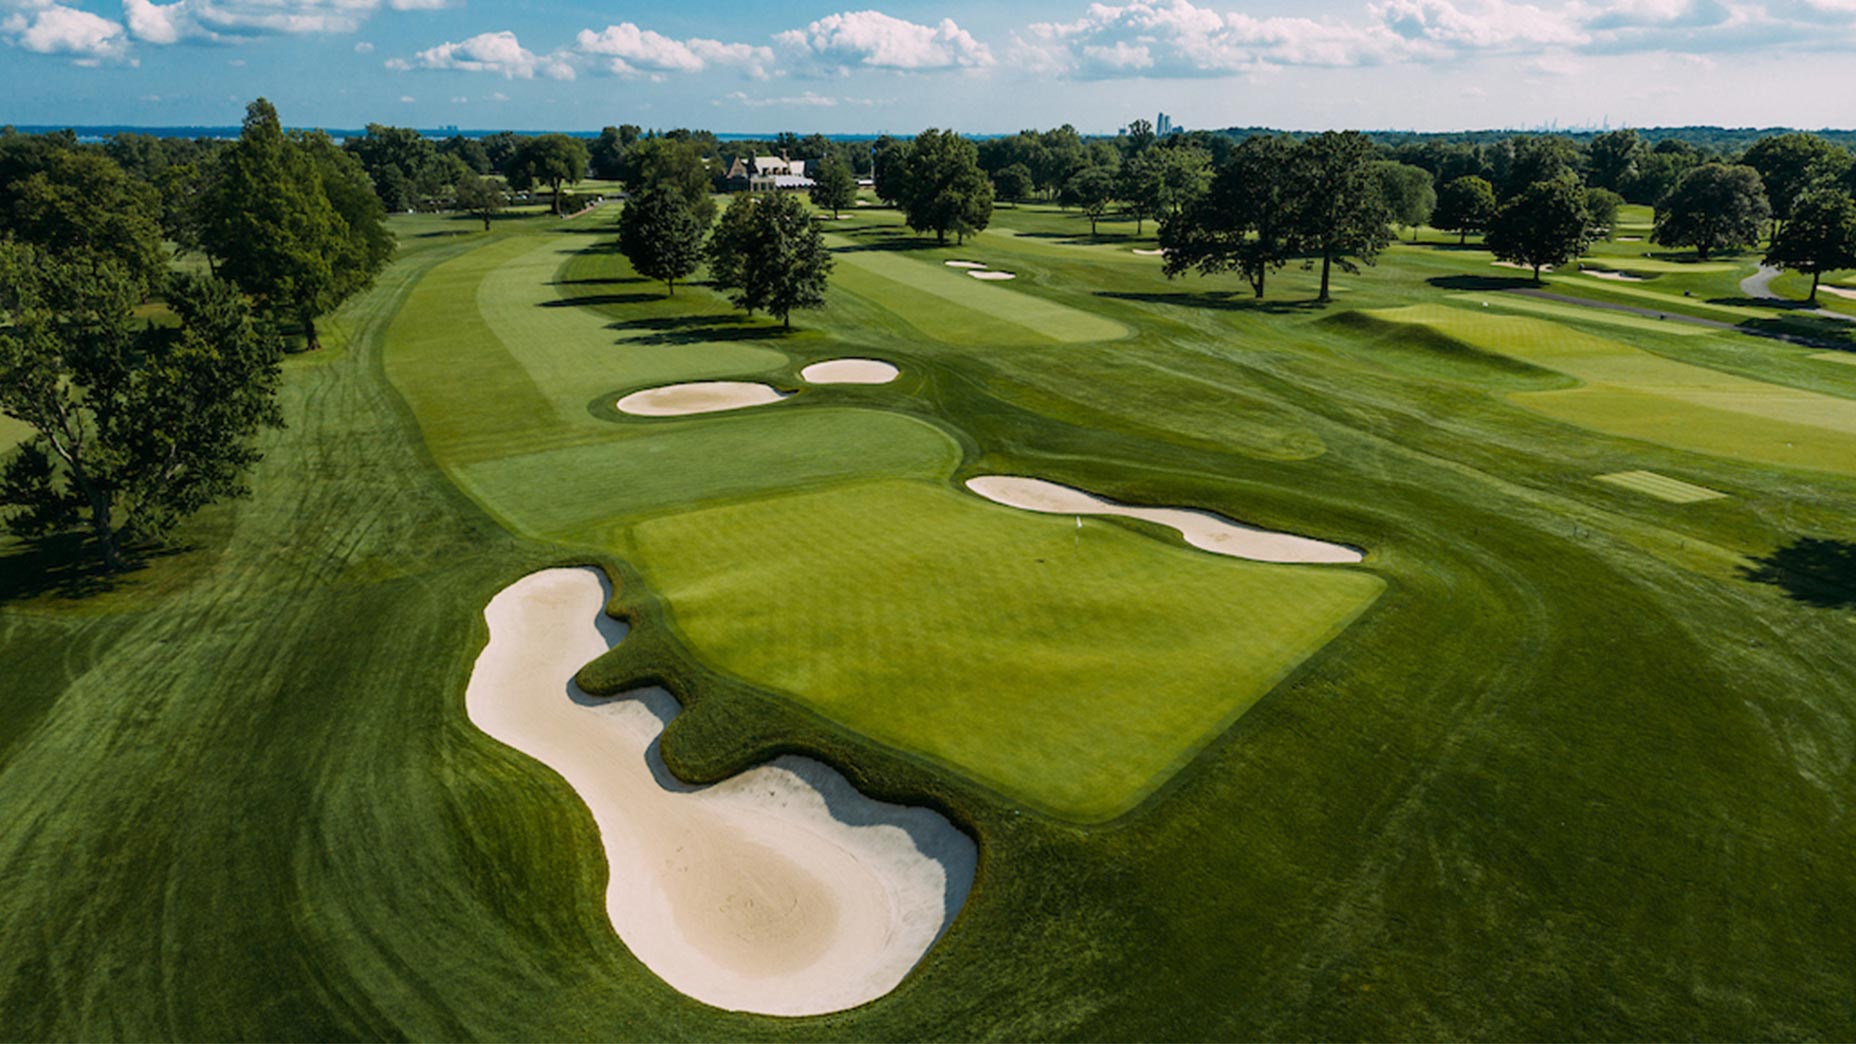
874 40
1179 38
51 28
629 50
222 20
497 52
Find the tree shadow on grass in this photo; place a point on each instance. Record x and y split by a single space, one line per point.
1807 330
1483 283
604 281
1812 570
595 300
693 329
65 566
1233 301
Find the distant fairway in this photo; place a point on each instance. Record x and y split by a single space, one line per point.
1638 394
1074 674
12 432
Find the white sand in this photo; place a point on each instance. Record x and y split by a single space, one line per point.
782 891
1836 290
963 264
1622 277
1202 529
1151 253
849 371
675 400
1630 239
992 276
1524 268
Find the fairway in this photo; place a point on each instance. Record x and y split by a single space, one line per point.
1662 487
1073 669
1632 392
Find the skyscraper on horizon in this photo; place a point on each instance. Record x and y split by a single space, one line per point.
1164 125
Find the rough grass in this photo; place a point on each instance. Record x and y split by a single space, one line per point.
1072 669
1581 772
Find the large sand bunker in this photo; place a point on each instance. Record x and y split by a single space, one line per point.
1605 273
782 891
990 275
964 264
1202 529
676 400
849 371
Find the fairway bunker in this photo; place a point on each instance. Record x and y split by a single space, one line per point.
992 276
1202 529
677 400
1150 253
849 371
1605 273
964 264
781 891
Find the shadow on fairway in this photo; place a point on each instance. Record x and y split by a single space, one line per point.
595 300
1811 570
1483 283
694 329
613 281
1808 330
1234 301
64 566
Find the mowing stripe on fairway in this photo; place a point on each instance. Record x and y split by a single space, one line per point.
1846 358
1642 395
1662 487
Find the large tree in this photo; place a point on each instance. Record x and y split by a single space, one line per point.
1408 192
768 254
402 164
1467 204
1547 224
1713 207
1820 236
1091 190
662 236
943 188
1246 222
1013 183
553 160
1341 215
481 198
1614 157
80 203
834 187
135 426
677 164
293 221
889 168
1787 165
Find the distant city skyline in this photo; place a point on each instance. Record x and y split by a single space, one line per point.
1427 65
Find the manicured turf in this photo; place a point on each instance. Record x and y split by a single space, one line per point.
1581 771
1631 392
1662 487
1073 669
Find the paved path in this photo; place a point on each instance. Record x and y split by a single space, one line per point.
1759 285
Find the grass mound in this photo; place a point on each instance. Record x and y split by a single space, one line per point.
1426 351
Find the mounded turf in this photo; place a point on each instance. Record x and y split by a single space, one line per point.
1581 770
1072 668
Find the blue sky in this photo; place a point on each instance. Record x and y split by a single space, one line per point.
981 67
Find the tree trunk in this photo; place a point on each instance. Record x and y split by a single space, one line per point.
1092 228
1326 262
1813 298
486 222
557 197
102 529
786 321
312 343
1462 238
1536 273
670 288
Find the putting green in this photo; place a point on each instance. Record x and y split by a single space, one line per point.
948 305
1638 394
1072 670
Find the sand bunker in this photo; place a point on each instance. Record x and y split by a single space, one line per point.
849 371
963 264
1622 277
1202 529
1524 268
1151 253
782 891
1630 239
992 275
675 400
1837 291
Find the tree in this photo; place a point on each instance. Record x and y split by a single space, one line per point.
768 253
1181 174
606 156
79 203
1340 214
1537 158
1013 183
662 236
1408 193
1820 236
889 167
673 163
1787 165
1547 224
401 162
133 428
943 188
481 198
293 221
1140 138
1466 205
1093 190
549 159
468 151
1713 207
1601 206
1246 221
834 187
1614 156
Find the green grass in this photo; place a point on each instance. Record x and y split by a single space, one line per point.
1573 313
1073 670
1662 487
1639 394
1579 772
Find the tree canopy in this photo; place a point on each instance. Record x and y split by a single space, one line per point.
662 235
1246 222
1341 216
1713 207
834 187
1547 224
768 254
1466 205
553 160
943 189
1820 236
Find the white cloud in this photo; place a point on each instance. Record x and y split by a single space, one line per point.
50 28
219 20
630 50
874 40
805 100
408 99
364 48
498 52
